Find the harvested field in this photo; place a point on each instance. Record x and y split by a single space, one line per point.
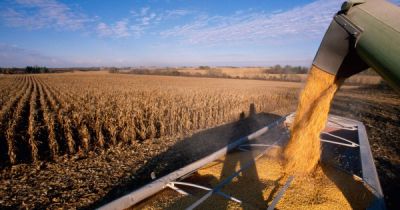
79 140
256 73
48 116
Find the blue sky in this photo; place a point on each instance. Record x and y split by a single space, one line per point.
68 33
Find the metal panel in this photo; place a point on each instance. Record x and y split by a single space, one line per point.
370 176
333 49
379 44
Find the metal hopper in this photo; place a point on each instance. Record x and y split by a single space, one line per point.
344 144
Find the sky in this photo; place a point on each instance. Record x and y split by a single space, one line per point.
89 33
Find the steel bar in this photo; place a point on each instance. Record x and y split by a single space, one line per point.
338 143
177 189
341 138
199 187
280 194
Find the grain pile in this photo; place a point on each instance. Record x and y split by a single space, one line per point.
257 187
303 150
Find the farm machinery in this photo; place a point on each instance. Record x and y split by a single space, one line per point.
362 35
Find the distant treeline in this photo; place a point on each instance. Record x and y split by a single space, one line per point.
215 72
278 69
26 70
211 72
164 72
275 73
42 69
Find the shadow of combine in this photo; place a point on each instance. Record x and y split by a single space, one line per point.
189 150
247 125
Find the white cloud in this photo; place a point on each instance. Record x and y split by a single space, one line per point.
144 10
40 14
145 20
104 30
135 26
177 13
37 14
121 28
310 21
118 29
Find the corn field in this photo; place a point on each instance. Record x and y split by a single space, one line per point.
44 117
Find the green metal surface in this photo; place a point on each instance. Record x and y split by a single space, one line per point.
379 43
349 4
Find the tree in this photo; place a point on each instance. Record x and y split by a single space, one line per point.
204 67
36 69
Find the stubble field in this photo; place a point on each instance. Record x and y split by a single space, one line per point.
81 139
49 116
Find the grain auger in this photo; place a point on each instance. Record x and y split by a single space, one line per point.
363 34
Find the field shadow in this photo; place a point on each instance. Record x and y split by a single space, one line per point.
189 150
230 163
